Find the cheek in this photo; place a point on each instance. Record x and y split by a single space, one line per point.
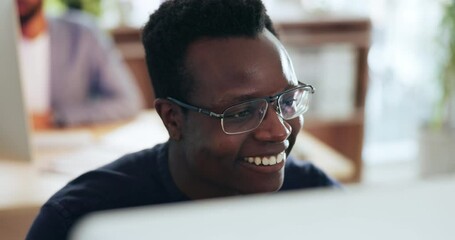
208 144
216 160
296 124
220 150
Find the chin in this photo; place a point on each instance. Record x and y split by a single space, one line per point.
272 185
267 189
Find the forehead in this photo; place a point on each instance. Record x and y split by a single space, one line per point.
238 67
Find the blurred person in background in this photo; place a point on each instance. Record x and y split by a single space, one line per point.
72 74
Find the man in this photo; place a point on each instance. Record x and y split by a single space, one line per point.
71 71
231 103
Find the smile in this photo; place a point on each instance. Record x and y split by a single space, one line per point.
266 161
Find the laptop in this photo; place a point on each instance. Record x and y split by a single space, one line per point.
417 210
14 126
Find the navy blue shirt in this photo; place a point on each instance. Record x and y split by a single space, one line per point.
137 179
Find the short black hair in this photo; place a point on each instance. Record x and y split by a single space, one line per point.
179 23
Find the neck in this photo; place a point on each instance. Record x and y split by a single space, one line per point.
35 26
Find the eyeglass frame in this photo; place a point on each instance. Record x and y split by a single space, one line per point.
269 100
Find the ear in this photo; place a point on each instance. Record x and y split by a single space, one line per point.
172 117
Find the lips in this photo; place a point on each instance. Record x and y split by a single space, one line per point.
266 160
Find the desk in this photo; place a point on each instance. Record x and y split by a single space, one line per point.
61 155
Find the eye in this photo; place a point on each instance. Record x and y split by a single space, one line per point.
289 102
239 114
291 99
243 112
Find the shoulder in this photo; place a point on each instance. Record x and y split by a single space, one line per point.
120 182
129 181
138 163
301 174
77 24
75 19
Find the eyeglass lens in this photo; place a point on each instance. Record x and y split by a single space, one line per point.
293 103
247 116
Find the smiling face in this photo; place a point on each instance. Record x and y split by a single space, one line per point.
205 161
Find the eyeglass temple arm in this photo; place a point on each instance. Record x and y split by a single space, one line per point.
196 109
312 89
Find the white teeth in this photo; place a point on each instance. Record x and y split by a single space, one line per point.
257 160
280 157
272 160
267 161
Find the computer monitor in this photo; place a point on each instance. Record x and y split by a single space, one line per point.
418 210
14 126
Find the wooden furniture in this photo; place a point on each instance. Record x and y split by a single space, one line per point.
344 135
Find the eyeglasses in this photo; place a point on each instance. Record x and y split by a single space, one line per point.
247 116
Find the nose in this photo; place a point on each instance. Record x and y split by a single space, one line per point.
273 128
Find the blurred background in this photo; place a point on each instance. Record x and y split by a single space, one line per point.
379 68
